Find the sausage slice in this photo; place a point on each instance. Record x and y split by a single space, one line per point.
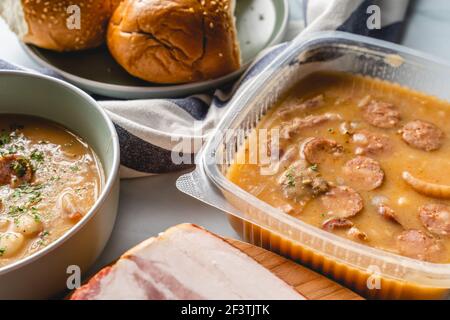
388 213
315 102
300 181
381 114
342 202
290 128
15 170
436 218
336 223
363 173
369 143
418 245
357 234
317 150
422 135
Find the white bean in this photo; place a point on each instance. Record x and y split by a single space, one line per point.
28 225
10 243
67 203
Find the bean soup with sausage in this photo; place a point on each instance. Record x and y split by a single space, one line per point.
362 158
49 179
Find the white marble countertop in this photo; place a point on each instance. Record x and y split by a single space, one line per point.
150 205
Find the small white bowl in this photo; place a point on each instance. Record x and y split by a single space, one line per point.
44 274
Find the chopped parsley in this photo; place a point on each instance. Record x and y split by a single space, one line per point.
35 197
33 190
12 149
45 233
4 138
42 238
20 167
37 155
313 167
290 177
2 251
37 217
74 168
16 210
35 214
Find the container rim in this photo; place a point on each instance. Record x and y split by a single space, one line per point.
109 178
249 91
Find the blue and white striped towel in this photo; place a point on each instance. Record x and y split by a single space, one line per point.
150 130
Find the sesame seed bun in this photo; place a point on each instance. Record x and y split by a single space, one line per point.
175 41
52 24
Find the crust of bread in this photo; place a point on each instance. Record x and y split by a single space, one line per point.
48 23
175 41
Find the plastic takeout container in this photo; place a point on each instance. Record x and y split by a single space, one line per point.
372 272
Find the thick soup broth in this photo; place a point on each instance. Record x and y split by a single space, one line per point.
49 179
362 158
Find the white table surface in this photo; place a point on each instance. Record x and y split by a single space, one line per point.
151 205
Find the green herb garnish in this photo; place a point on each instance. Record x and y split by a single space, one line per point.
16 210
37 217
37 156
291 178
4 138
20 167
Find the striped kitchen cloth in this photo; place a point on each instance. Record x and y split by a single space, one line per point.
152 131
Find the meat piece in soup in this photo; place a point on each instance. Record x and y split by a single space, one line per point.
49 179
369 163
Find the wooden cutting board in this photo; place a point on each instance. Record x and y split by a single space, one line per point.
307 282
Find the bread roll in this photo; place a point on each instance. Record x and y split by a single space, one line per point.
175 41
53 24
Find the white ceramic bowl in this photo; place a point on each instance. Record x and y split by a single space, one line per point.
44 274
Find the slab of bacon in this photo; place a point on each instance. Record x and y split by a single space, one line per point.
185 262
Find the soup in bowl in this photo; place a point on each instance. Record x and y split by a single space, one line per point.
59 184
49 179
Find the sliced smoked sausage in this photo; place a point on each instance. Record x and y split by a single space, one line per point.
317 150
381 114
15 170
300 181
387 213
290 108
290 128
342 202
417 244
422 135
363 173
357 234
436 218
336 223
369 143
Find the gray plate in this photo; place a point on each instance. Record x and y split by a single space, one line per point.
260 24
